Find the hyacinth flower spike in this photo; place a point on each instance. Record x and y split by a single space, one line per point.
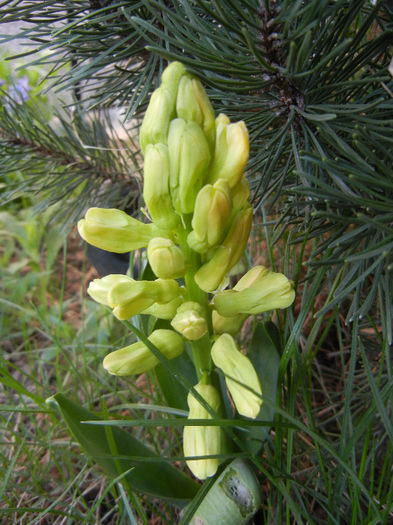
198 199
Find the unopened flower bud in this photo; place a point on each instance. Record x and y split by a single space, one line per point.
159 113
231 151
115 231
211 214
189 158
128 297
166 258
227 325
171 77
240 376
240 195
156 187
137 358
211 274
202 440
193 104
259 290
190 320
99 288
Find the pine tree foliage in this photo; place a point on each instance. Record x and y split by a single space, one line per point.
75 159
310 79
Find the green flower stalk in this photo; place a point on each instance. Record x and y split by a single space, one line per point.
198 198
240 376
137 358
259 290
202 440
115 231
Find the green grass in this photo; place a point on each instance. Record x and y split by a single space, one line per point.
53 339
329 462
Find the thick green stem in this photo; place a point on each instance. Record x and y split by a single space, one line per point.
201 347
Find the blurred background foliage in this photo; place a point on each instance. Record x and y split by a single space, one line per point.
312 82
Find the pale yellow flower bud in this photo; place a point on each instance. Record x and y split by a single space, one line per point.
231 151
165 258
189 158
171 77
240 376
190 320
156 187
259 290
128 297
193 104
159 113
99 288
137 358
240 195
202 440
211 274
213 207
115 231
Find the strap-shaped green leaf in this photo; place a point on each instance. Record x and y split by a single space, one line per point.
174 392
114 449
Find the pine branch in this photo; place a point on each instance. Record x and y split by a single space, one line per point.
59 162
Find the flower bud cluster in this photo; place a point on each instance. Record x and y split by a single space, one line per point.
198 199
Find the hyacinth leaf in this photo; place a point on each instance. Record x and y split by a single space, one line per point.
233 498
173 391
104 445
264 355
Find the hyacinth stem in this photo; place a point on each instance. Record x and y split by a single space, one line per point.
200 348
201 356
